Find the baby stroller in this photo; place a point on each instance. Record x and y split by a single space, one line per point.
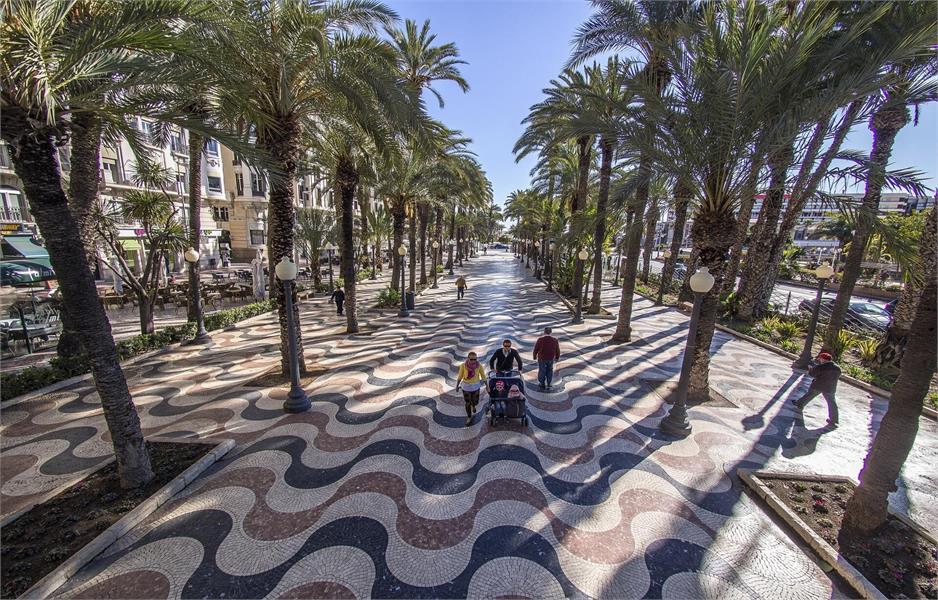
506 397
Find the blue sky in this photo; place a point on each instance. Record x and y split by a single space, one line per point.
514 48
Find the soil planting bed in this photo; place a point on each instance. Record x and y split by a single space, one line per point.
896 559
45 536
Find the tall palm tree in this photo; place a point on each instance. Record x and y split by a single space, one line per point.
913 82
279 67
422 63
650 28
55 56
379 227
867 508
315 228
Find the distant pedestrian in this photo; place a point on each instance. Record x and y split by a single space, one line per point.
504 358
825 373
546 353
471 376
338 296
461 287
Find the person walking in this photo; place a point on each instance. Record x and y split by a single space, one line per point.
826 373
461 287
338 296
503 358
471 377
546 353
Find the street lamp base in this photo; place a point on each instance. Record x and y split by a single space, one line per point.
297 401
576 320
451 272
434 286
403 313
199 339
672 426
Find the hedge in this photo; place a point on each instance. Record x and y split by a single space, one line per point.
33 378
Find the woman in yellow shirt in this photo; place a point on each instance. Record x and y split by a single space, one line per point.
472 377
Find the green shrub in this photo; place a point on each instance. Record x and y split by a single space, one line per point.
844 342
865 348
931 400
767 327
868 376
439 268
33 378
790 346
389 298
787 330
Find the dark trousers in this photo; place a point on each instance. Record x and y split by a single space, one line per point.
338 308
460 292
832 413
471 399
545 372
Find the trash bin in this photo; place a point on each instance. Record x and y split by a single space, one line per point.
212 263
410 300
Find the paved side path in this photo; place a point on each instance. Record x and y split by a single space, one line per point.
381 491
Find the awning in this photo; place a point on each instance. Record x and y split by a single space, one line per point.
21 246
130 245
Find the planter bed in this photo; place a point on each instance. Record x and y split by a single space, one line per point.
899 560
44 546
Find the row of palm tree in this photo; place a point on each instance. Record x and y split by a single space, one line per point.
289 86
721 101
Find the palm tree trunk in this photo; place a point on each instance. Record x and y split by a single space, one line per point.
35 161
633 246
83 180
347 180
195 224
423 212
284 151
584 151
651 225
713 235
746 202
886 123
599 233
682 194
867 508
398 216
752 297
686 295
452 236
412 249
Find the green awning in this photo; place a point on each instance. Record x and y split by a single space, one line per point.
22 246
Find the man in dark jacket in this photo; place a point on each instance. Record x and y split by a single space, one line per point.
826 373
546 352
338 296
503 359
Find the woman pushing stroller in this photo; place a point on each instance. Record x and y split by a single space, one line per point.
471 376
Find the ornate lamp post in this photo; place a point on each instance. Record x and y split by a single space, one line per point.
402 252
201 336
676 422
537 262
823 273
581 256
330 249
550 265
436 253
460 250
296 401
660 298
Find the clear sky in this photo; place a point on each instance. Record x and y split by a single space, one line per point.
515 47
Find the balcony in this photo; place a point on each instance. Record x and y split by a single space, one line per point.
179 147
15 215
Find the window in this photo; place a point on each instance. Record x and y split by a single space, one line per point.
109 170
236 160
177 143
214 184
239 183
220 212
257 185
146 127
211 147
257 237
182 180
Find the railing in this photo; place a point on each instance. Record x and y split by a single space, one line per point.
15 214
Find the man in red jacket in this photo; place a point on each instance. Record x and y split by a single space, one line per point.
546 352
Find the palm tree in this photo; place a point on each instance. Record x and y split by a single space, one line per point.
379 227
650 28
422 63
867 508
315 228
913 82
279 68
54 57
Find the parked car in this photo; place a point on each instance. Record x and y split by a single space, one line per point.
860 314
891 306
499 246
680 272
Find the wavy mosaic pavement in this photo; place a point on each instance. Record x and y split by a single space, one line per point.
381 491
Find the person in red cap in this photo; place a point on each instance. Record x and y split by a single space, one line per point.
825 373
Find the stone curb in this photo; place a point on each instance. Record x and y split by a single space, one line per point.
872 389
824 550
601 317
55 579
